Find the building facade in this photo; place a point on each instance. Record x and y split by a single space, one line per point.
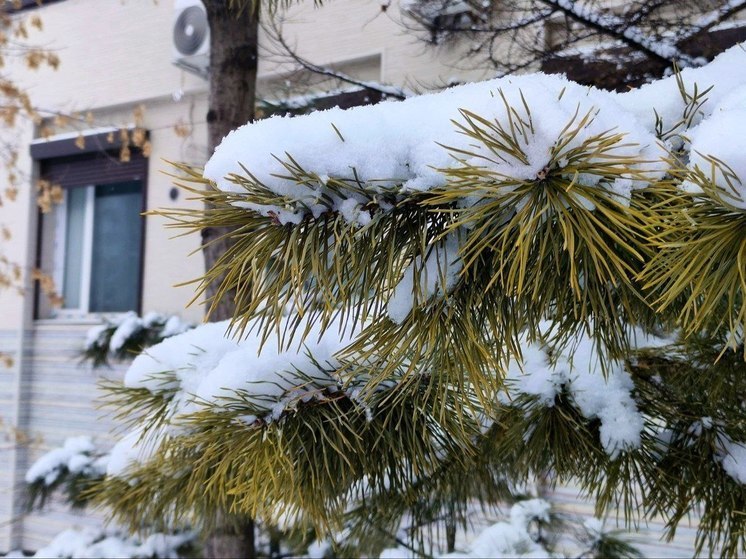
117 70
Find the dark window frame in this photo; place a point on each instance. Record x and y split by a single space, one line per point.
64 163
26 5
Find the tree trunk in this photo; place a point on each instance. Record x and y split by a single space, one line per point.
451 528
232 98
227 543
233 67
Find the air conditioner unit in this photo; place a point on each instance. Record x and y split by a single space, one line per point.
191 37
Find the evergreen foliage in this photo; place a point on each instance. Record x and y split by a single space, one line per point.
70 470
123 338
424 416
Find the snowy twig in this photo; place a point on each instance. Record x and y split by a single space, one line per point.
622 30
390 91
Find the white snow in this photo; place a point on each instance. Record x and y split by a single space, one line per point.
152 319
95 542
511 539
129 324
173 326
319 549
594 526
195 350
77 455
420 282
397 553
577 369
724 74
397 147
131 450
211 366
733 459
717 148
94 336
203 367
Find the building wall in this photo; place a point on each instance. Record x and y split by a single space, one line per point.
9 340
58 398
115 58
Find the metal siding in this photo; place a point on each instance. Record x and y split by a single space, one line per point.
8 345
60 400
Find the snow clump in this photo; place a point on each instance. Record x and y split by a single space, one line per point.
577 370
203 367
398 147
77 455
97 542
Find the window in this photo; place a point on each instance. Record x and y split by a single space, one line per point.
92 242
20 5
98 241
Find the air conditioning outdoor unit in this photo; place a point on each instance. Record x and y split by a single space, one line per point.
191 37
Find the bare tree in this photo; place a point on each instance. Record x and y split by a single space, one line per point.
601 42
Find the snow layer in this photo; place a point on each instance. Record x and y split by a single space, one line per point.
77 455
129 325
132 449
92 542
718 146
212 367
577 370
95 336
724 74
399 145
203 367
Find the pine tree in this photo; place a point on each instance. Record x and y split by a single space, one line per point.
441 299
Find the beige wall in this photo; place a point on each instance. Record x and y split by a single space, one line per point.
116 55
352 29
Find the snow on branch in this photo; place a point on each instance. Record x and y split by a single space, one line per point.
484 268
620 28
394 148
122 337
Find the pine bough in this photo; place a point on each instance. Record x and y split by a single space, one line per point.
440 299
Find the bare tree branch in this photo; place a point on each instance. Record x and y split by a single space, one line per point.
598 44
621 29
724 13
274 31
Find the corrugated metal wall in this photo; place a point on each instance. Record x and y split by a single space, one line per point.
647 538
58 399
9 340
